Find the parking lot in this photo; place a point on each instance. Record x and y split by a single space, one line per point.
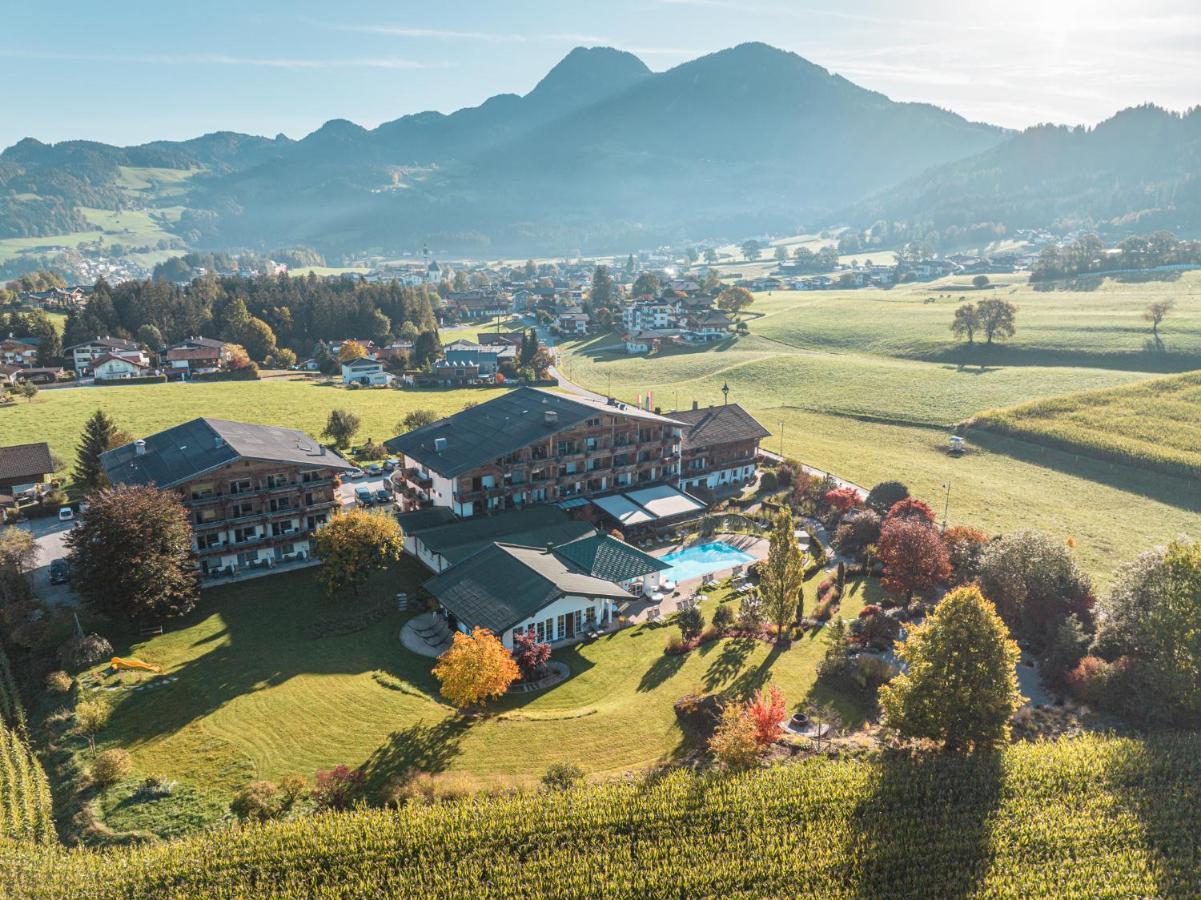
50 534
346 493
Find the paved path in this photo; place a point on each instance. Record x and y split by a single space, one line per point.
49 534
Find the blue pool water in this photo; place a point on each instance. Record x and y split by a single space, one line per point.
694 562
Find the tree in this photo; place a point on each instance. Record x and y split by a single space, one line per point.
282 358
562 776
691 622
18 558
961 685
782 575
258 801
751 249
353 545
90 718
735 741
647 283
966 322
341 427
28 390
251 332
236 358
997 318
426 348
131 553
416 418
768 712
100 434
531 655
910 508
111 766
350 351
914 558
1155 313
602 287
710 256
980 282
781 254
474 668
965 548
882 497
1035 583
735 299
150 336
335 788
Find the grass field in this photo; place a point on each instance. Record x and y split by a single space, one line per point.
257 698
57 416
1154 424
1083 817
866 383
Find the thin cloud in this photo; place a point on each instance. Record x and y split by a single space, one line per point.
498 37
218 59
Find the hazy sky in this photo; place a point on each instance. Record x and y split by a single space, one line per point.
127 71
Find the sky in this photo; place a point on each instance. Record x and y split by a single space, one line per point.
128 71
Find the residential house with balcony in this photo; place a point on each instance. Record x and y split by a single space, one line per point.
531 446
255 494
84 356
720 445
196 356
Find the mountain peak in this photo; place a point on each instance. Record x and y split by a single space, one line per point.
589 72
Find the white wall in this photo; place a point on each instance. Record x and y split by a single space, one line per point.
563 606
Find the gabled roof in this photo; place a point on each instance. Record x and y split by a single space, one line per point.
108 357
363 362
604 556
193 343
500 426
458 539
504 584
111 342
187 451
718 425
25 461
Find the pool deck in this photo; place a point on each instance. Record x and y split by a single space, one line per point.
639 610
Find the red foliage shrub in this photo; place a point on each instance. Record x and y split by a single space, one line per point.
530 655
1086 682
909 508
914 558
870 610
336 787
768 712
843 499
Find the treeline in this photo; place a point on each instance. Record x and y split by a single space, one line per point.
1087 254
179 268
262 312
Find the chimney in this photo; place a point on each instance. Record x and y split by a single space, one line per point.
550 548
695 405
439 444
218 441
550 417
139 447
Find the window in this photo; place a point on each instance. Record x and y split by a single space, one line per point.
201 491
206 515
590 615
241 486
578 622
281 503
245 508
277 479
213 539
540 632
242 535
561 627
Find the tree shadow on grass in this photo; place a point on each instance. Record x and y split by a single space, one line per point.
751 680
664 667
728 663
925 827
416 748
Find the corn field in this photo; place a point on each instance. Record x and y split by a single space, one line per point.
25 807
1087 816
1152 424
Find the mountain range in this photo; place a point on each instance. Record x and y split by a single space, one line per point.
604 154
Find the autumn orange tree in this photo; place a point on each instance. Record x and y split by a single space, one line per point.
768 712
735 742
475 668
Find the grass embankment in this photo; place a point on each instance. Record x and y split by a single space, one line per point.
1152 425
58 416
1082 817
256 696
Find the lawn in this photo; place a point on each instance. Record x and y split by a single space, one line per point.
57 416
258 698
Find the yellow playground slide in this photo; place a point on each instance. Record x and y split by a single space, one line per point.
119 664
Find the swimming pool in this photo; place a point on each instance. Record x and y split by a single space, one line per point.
693 562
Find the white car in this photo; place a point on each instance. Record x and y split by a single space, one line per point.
65 514
354 473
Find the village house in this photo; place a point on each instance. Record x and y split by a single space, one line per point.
84 355
254 493
573 322
196 356
19 352
23 470
119 368
454 374
719 446
531 446
367 372
702 327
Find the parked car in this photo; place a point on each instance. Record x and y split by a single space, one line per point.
66 514
59 571
374 469
391 463
354 473
383 495
363 495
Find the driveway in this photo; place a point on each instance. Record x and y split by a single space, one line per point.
49 534
345 493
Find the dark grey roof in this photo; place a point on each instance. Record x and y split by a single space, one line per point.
208 343
536 526
712 425
186 451
605 556
502 425
503 584
110 342
25 461
420 520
